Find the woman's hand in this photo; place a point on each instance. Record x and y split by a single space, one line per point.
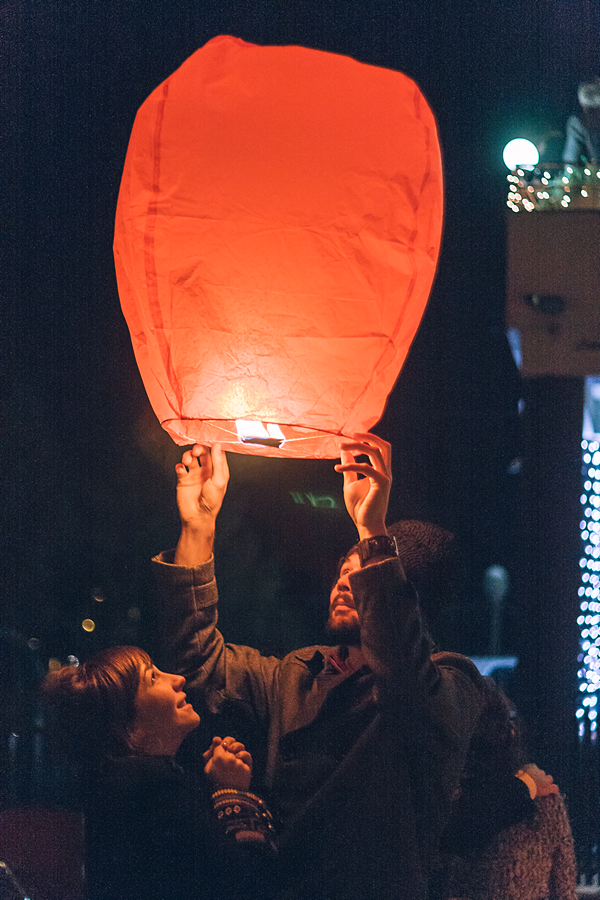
544 783
228 764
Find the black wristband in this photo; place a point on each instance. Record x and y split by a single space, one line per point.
382 545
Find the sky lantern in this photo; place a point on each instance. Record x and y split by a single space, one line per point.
277 234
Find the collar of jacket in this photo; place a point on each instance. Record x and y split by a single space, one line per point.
317 659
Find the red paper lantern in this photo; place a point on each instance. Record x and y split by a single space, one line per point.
277 234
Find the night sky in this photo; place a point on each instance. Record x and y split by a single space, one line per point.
88 472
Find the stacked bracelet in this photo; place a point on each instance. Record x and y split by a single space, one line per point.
244 816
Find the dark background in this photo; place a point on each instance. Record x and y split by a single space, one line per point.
88 472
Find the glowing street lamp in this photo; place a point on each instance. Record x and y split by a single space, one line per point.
520 152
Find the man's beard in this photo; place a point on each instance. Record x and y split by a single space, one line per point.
347 633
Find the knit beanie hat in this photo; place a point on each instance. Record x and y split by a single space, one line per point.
430 559
431 562
427 553
423 547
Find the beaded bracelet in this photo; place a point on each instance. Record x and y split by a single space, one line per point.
244 815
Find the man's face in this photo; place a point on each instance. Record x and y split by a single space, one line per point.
343 617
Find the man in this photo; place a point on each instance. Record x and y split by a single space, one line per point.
582 140
365 740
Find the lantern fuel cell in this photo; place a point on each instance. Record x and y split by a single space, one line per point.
257 433
277 234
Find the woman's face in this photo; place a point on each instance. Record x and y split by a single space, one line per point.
163 715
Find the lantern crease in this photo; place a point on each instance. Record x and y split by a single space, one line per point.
149 253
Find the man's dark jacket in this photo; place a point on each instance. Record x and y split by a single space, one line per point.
362 766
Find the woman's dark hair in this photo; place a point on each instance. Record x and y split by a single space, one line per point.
496 745
90 708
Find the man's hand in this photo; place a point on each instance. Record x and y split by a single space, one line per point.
366 498
202 477
228 764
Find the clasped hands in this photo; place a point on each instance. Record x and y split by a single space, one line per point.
228 764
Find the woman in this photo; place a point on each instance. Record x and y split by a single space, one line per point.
153 831
500 845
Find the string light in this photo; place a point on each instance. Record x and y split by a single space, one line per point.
554 187
589 591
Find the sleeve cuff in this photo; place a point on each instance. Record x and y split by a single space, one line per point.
167 557
171 578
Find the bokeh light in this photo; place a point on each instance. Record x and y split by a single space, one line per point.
589 591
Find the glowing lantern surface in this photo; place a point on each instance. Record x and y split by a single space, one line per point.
277 234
